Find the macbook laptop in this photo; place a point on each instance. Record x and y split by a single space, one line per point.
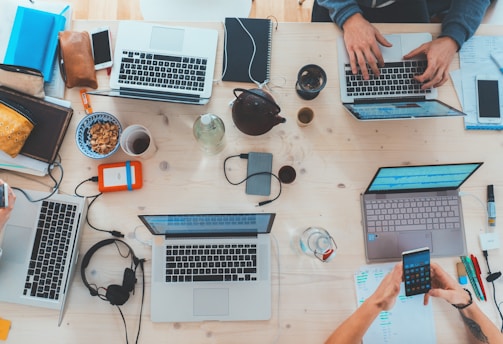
210 266
40 249
165 63
407 207
394 94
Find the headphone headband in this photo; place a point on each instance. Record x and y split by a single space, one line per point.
87 258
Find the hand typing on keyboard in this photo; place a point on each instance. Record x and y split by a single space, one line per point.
439 54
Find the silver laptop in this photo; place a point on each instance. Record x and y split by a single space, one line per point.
210 266
40 249
165 63
407 207
395 94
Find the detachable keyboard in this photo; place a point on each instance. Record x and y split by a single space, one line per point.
395 79
226 262
50 250
162 71
421 213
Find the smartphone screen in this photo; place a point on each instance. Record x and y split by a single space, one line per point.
4 196
488 99
416 271
102 52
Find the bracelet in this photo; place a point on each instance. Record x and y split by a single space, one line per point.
469 302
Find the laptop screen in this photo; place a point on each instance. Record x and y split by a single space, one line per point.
372 110
427 177
208 224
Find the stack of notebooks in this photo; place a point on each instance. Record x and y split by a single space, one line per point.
247 50
34 39
42 146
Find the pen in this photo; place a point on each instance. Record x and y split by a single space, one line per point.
491 206
470 271
478 273
85 101
497 58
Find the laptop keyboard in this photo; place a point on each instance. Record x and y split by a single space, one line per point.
387 215
162 71
206 263
49 254
396 79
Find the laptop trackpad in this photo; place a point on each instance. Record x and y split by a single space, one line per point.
413 240
15 239
211 301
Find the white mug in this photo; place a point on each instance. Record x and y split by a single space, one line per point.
137 141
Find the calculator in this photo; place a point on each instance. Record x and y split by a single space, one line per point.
416 271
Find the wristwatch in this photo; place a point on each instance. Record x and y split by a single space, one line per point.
458 306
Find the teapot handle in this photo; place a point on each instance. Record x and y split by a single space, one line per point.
258 95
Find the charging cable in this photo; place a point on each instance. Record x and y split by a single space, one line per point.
55 188
93 198
245 156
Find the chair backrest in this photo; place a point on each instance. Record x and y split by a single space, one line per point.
194 10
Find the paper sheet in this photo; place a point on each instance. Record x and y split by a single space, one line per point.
409 321
475 59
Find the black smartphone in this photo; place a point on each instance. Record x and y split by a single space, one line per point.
488 99
4 196
416 271
102 48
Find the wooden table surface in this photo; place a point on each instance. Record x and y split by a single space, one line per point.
335 158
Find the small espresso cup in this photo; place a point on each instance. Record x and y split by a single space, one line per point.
305 116
137 141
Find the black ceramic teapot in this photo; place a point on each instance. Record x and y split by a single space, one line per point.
255 112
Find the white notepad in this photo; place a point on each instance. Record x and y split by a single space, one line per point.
408 319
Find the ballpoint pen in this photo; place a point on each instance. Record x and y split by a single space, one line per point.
478 272
491 206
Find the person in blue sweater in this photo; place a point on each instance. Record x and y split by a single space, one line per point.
460 19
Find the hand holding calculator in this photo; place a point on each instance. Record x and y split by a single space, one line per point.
416 271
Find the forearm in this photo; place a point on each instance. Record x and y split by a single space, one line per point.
354 327
340 10
463 19
479 326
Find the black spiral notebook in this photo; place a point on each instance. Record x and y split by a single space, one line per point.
239 49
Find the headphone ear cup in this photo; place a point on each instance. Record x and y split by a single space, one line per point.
129 280
117 295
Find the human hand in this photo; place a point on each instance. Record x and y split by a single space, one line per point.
5 212
445 287
385 295
361 38
439 54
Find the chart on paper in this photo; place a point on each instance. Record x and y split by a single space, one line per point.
409 321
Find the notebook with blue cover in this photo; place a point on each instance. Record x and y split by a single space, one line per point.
34 39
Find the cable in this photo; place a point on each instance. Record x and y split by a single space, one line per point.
245 156
55 188
114 233
491 277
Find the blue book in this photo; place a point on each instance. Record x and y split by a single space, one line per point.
34 40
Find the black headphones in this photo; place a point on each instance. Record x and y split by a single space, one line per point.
116 294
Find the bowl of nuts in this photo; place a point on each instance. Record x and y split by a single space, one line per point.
97 135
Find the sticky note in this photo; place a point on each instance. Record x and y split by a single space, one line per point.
4 328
